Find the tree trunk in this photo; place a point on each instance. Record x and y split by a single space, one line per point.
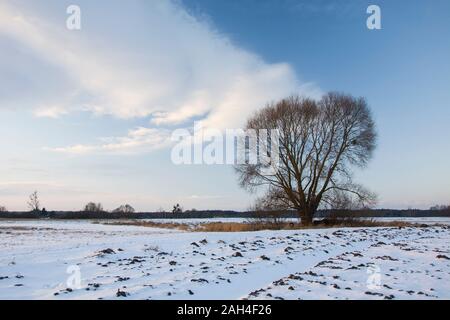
306 217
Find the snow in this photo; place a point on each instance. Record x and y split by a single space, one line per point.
41 260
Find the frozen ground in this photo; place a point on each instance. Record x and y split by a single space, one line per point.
45 260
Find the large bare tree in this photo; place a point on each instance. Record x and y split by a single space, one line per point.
319 143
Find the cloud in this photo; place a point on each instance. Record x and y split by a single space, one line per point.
148 59
196 197
50 112
137 141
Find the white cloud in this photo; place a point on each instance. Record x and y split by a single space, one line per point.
200 197
161 63
138 140
50 111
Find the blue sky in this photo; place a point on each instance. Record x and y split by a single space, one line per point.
86 114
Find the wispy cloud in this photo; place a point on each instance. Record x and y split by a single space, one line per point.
196 197
137 141
50 111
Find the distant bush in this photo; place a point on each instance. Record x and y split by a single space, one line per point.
124 209
93 207
177 208
263 214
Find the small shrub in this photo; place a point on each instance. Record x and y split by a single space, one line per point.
177 208
263 213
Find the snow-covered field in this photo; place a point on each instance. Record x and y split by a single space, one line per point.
83 260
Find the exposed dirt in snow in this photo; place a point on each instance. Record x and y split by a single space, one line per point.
398 264
41 259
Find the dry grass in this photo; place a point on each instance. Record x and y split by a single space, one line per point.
355 222
259 226
244 226
341 223
149 224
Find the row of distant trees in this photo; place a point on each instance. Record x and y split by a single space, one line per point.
440 207
98 207
126 208
34 205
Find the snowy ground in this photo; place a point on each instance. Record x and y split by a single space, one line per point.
45 260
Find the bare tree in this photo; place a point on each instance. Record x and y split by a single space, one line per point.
33 202
319 142
93 207
124 209
3 209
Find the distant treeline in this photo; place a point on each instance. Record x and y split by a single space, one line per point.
219 214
